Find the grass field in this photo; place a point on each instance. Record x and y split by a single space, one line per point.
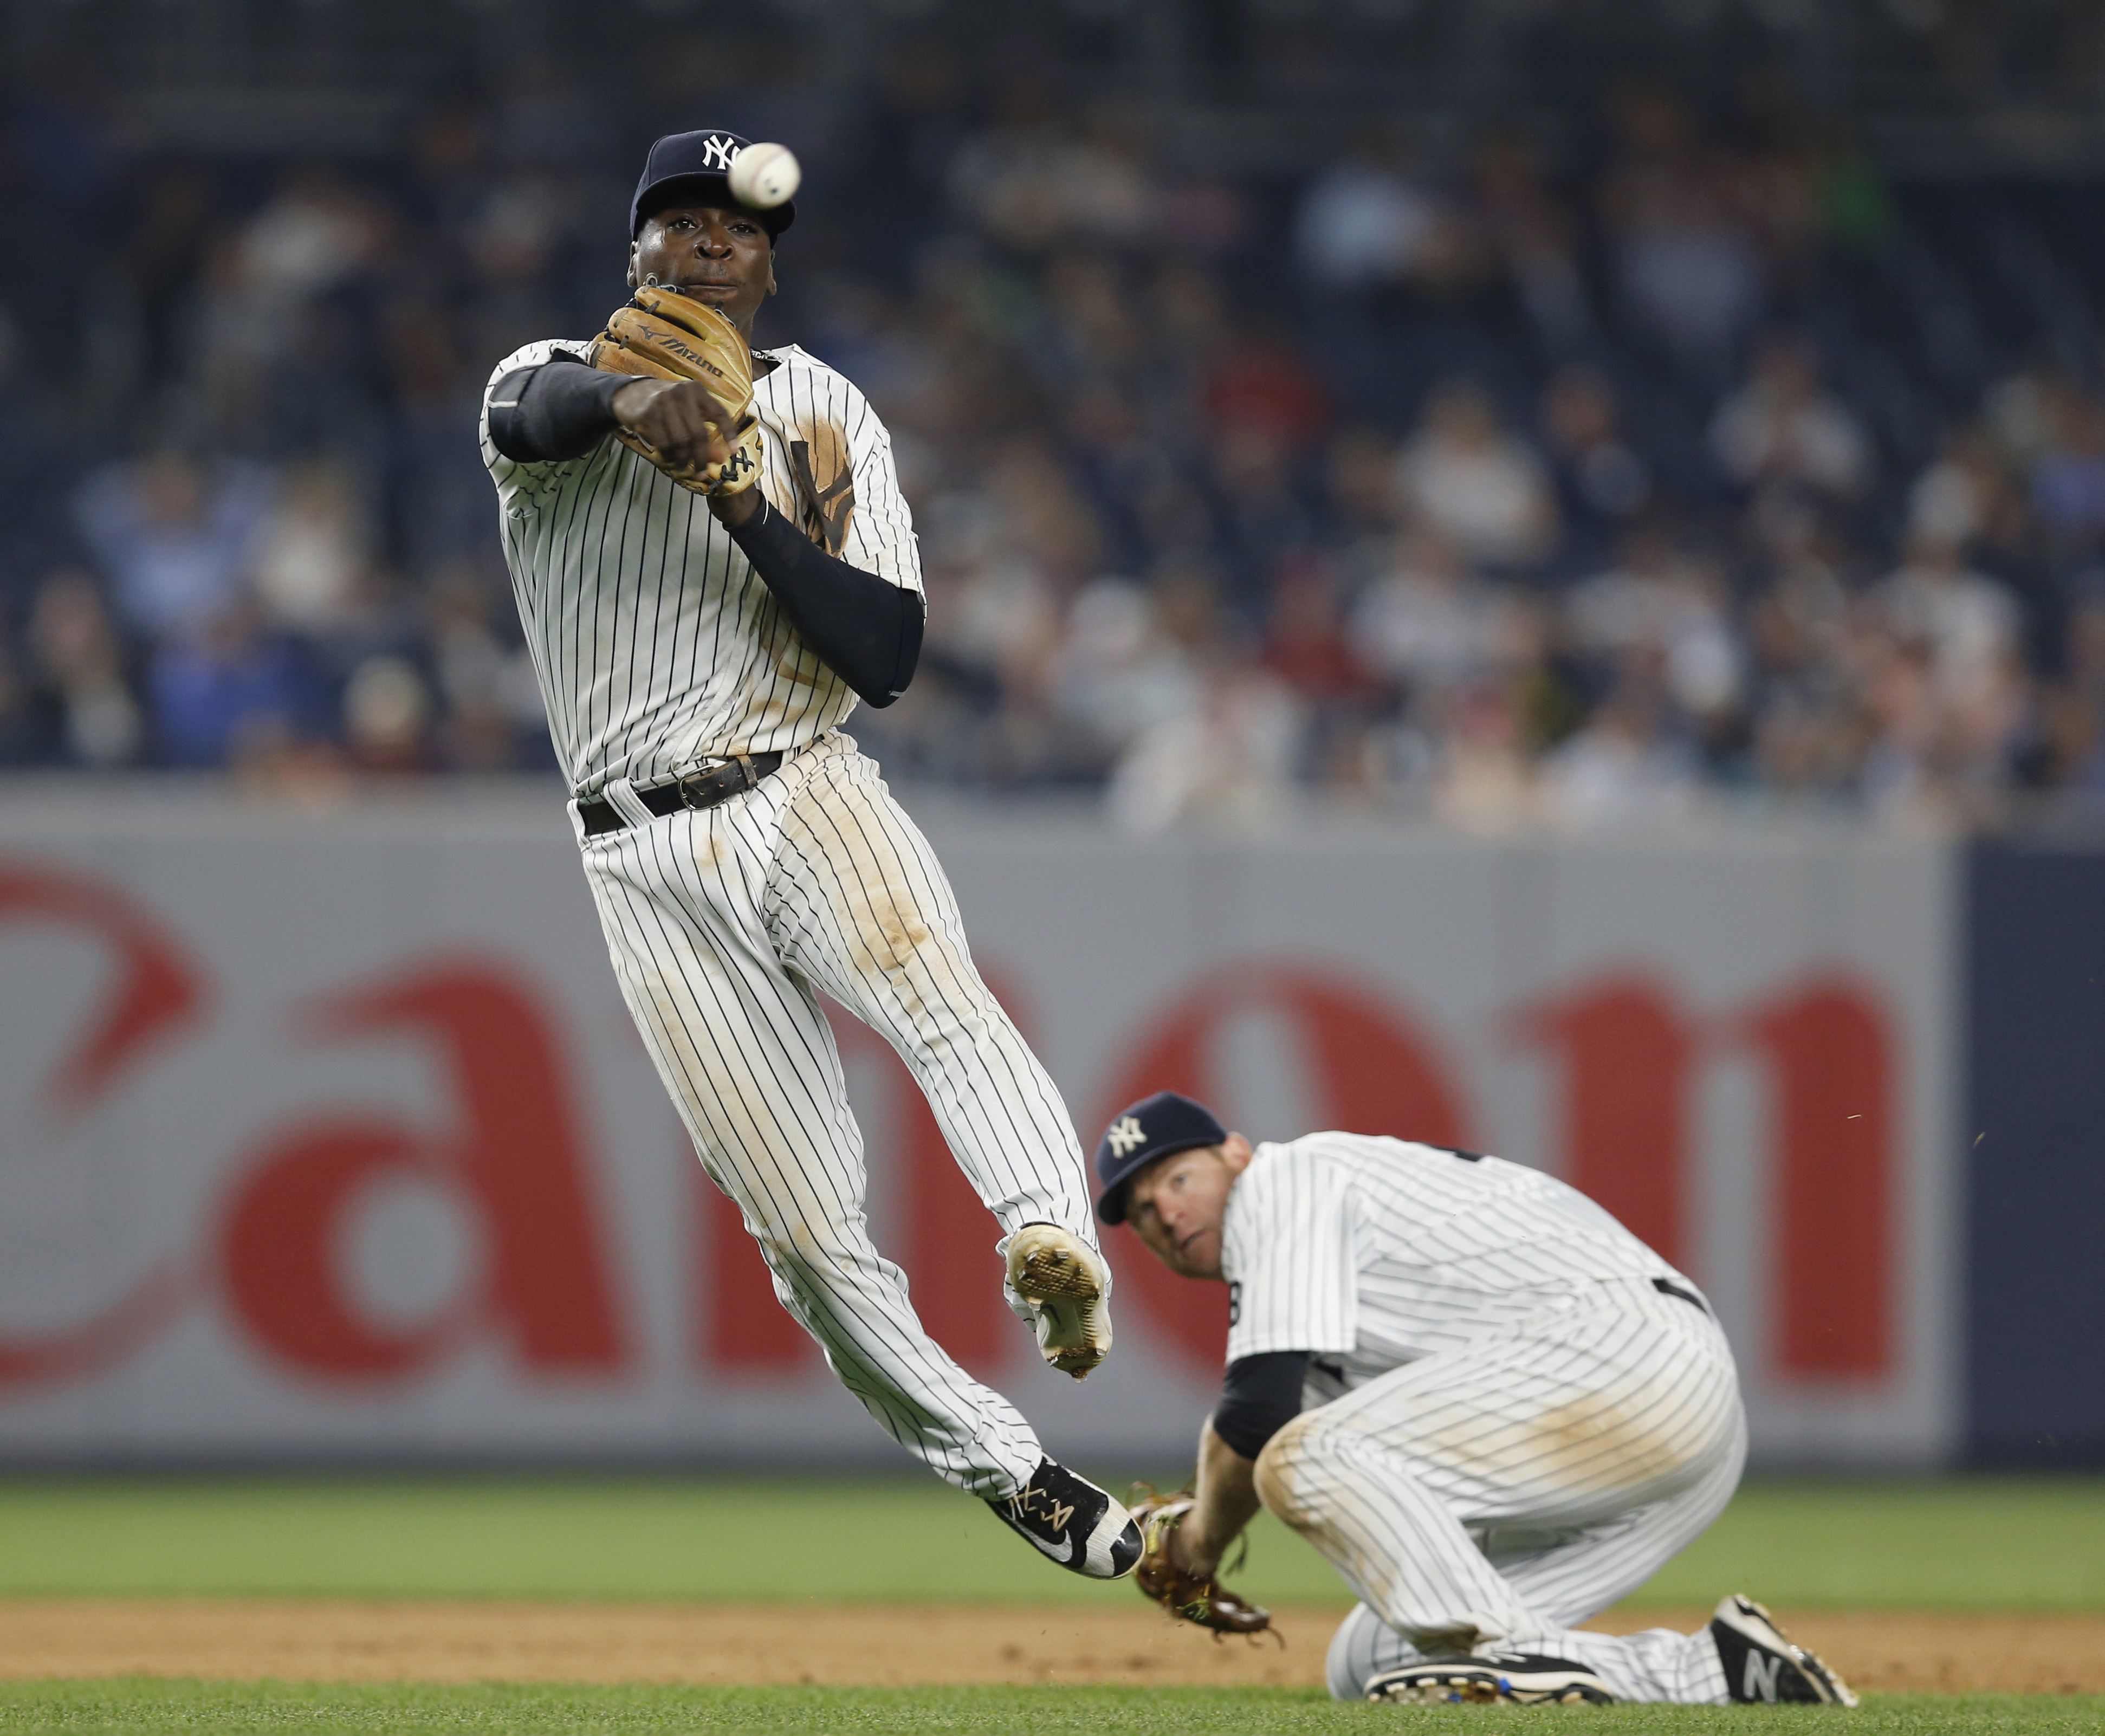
2009 1544
135 1706
2004 1544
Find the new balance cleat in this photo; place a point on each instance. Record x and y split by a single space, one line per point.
1063 1281
1491 1679
1073 1521
1761 1665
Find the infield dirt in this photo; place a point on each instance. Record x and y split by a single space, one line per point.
341 1640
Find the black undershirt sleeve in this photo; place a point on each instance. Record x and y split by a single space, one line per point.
866 628
558 408
1260 1395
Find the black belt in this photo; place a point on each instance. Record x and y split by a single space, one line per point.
695 791
1667 1287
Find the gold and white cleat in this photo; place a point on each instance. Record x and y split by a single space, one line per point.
1064 1282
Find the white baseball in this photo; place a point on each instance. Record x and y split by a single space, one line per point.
765 175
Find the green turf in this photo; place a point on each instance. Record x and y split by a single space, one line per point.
2006 1544
133 1705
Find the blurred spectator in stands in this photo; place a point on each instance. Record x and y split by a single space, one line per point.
1485 782
1621 769
2020 410
1306 647
1227 762
2068 474
260 310
1033 181
1119 671
1658 607
18 731
492 706
1475 483
386 715
226 691
173 535
1601 482
2072 710
1364 497
1304 641
1969 624
1784 427
1528 229
1809 720
312 552
1964 495
79 677
1686 260
1429 623
1265 383
1264 516
1365 223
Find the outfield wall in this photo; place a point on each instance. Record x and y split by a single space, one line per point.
326 1136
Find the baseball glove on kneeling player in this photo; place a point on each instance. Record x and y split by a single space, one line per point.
1185 1595
662 334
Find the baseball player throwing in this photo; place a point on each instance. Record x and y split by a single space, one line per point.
713 563
1493 1409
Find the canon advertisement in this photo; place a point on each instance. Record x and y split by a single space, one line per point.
327 1139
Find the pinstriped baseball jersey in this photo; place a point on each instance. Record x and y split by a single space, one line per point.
1375 1251
657 645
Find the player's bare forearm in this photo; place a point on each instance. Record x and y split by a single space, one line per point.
1225 1499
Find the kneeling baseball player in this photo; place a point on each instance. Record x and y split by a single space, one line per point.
713 564
1493 1409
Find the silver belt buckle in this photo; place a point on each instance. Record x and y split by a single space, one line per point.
743 762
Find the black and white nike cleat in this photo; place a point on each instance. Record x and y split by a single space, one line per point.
1491 1679
1763 1667
1063 1282
1070 1519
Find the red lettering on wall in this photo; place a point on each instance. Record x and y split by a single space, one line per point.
281 1244
155 991
1828 1046
514 1158
1375 1070
1626 1054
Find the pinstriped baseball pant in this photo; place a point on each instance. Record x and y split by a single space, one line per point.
1505 1492
722 924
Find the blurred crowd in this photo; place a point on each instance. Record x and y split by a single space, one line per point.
1588 481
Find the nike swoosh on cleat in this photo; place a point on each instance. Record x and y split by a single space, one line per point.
1064 1558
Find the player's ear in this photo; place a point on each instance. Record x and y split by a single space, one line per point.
631 265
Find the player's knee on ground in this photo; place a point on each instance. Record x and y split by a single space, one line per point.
1281 1476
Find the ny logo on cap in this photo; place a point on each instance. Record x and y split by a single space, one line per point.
1126 1135
718 151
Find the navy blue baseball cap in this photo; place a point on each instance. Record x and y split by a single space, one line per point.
692 166
1152 1128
